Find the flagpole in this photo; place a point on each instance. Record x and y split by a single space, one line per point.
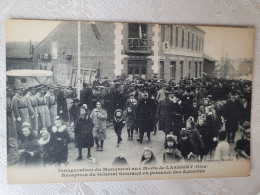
78 70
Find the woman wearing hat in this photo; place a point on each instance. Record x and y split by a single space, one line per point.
99 117
83 131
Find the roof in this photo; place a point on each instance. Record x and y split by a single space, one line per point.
18 49
209 58
29 73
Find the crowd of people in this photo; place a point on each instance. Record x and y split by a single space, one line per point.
196 115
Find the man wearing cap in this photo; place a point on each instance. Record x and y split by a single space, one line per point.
43 111
32 107
51 103
19 106
145 116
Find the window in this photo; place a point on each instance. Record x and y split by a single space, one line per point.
137 67
192 42
162 32
188 40
171 35
189 68
197 43
176 36
181 69
200 68
23 80
161 69
202 47
196 69
182 38
173 70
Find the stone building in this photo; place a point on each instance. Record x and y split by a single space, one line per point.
180 52
130 49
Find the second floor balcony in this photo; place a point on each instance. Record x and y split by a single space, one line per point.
139 46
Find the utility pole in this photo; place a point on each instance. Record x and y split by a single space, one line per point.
78 70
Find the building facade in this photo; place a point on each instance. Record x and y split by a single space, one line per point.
180 52
113 49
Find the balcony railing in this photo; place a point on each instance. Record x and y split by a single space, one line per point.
137 45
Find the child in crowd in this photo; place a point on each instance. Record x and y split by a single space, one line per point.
171 154
29 148
148 157
203 131
120 161
59 141
223 150
119 123
243 144
131 116
194 136
46 146
185 146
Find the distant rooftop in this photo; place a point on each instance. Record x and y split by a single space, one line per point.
19 49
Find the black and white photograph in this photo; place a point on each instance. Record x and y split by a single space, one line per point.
105 101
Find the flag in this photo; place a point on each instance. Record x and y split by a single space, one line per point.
95 30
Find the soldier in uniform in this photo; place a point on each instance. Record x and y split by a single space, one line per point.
11 130
19 106
44 113
32 107
51 103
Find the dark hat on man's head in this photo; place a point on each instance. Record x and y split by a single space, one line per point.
106 77
178 94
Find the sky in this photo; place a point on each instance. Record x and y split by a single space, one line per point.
24 30
237 43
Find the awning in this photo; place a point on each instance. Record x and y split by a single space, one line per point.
29 73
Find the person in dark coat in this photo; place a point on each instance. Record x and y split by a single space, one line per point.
232 116
145 115
194 137
74 111
83 131
164 114
29 148
59 142
131 107
245 110
86 96
185 146
62 108
177 114
118 122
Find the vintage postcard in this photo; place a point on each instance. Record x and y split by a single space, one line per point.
104 101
